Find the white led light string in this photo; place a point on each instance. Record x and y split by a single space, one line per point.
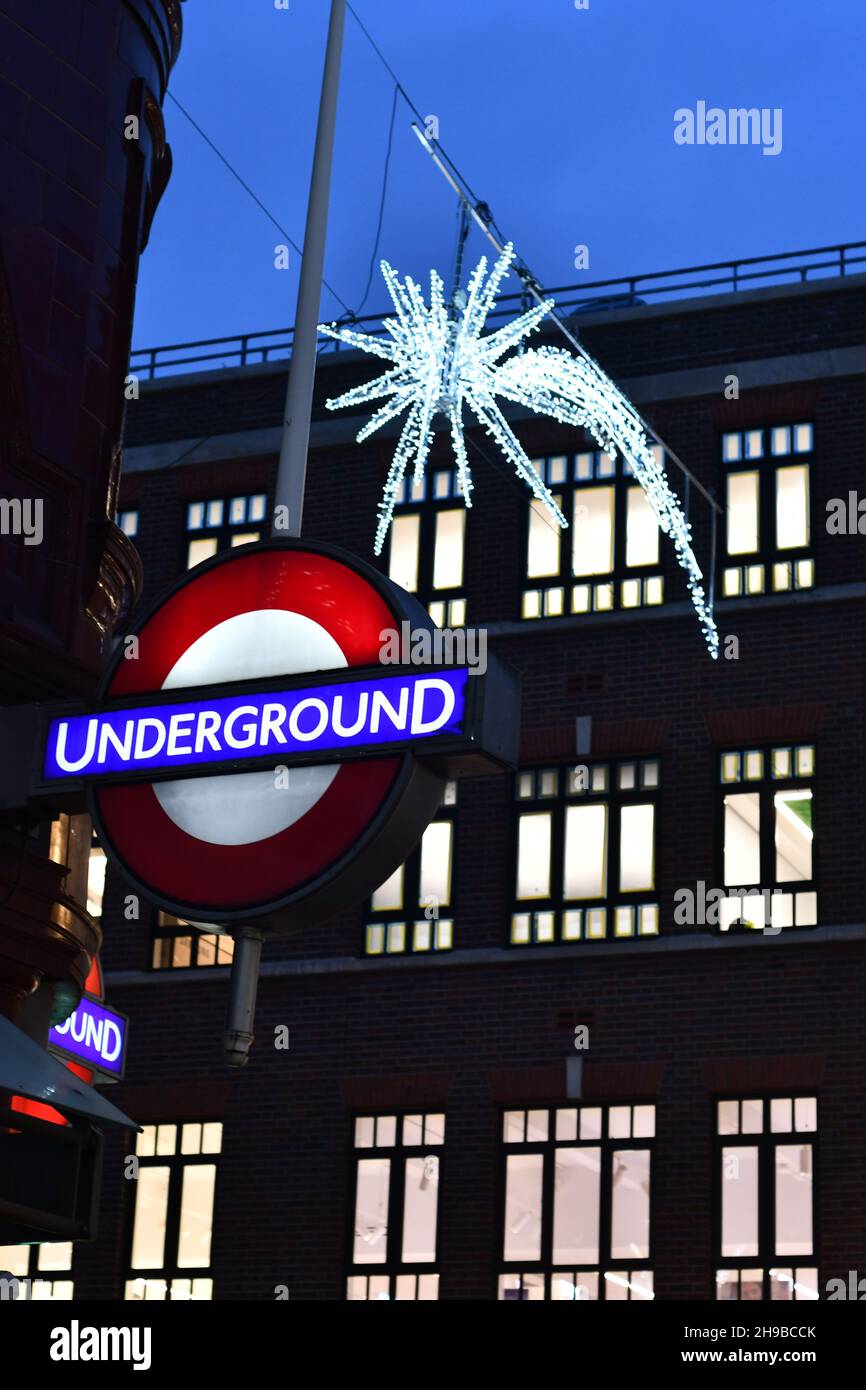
442 361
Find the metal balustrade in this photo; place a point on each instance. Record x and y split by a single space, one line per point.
751 272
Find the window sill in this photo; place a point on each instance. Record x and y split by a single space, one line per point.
673 942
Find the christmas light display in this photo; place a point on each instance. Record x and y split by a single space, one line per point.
441 361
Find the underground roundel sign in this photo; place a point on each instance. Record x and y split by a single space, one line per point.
250 756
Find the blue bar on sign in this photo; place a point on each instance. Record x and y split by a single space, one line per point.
324 718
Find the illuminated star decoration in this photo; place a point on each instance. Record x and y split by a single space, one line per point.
440 361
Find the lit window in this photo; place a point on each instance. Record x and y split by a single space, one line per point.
585 863
128 523
411 912
427 545
436 862
754 444
767 848
637 841
396 1208
767 511
792 507
448 550
172 1217
202 548
642 530
764 1158
225 522
96 880
592 543
743 494
599 563
732 448
403 562
585 860
781 439
34 1268
534 836
389 895
543 553
180 945
576 1215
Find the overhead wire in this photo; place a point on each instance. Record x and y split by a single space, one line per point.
382 198
255 197
486 222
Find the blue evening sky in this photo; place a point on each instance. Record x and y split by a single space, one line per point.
561 119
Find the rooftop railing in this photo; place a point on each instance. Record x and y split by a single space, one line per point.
752 272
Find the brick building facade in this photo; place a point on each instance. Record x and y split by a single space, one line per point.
706 1131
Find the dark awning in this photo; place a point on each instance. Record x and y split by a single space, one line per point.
27 1070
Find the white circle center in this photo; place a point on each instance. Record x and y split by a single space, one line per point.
245 807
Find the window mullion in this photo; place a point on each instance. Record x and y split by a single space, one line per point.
172 1218
768 835
566 569
613 848
396 1199
766 1203
768 537
557 853
548 1196
619 570
427 553
605 1205
412 885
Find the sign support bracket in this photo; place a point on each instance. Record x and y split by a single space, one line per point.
238 1037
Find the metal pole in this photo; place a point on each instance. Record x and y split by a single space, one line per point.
238 1037
291 473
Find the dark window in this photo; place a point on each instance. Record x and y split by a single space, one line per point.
765 1203
577 1205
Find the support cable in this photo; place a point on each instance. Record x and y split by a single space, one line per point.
481 214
